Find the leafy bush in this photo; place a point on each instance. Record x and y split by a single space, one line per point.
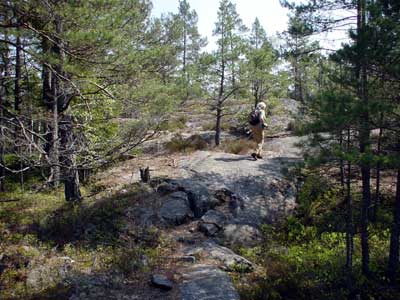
316 197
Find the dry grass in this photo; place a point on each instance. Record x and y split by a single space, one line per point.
240 146
186 145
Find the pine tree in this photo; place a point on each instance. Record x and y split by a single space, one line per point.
190 46
261 59
228 29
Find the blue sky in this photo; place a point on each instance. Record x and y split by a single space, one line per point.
272 16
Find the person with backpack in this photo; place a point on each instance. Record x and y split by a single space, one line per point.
257 121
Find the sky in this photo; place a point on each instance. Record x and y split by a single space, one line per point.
272 16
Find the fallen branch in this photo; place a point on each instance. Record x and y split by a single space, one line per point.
9 200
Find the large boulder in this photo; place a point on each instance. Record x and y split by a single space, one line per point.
204 282
176 209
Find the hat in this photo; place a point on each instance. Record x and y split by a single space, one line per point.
261 106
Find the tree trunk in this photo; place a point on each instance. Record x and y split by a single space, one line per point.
349 213
70 175
17 81
220 98
341 163
2 169
394 237
378 175
218 126
17 102
49 95
364 138
4 95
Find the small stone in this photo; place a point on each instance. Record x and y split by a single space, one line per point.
208 229
161 281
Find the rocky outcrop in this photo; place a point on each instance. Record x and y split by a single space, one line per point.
256 191
176 209
205 282
212 222
198 194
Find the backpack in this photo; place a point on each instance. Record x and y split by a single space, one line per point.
254 117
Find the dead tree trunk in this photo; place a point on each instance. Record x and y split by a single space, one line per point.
145 174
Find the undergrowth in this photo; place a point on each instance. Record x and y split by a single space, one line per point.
42 236
304 257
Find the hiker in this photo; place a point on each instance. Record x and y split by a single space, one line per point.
258 124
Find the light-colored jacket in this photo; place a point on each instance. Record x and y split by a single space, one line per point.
263 118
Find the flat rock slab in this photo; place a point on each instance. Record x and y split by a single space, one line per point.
203 282
262 193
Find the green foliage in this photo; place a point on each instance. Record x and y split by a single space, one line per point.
315 198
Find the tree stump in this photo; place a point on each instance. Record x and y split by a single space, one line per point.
145 174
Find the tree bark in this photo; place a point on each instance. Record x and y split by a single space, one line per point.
70 175
393 263
18 101
364 137
378 175
17 81
2 169
349 213
220 97
4 94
